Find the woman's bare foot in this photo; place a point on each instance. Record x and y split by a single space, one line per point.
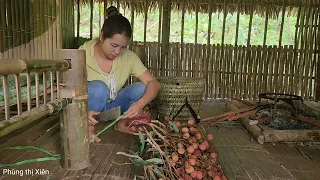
92 134
122 126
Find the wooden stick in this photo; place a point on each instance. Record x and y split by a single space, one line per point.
37 89
230 113
253 129
18 92
6 96
308 120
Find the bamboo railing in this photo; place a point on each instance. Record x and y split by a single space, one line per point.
238 71
17 67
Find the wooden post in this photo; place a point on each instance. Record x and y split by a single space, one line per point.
317 80
73 118
165 34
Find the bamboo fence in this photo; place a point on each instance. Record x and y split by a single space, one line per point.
238 71
34 29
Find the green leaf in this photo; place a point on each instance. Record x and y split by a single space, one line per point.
140 177
174 126
155 161
142 141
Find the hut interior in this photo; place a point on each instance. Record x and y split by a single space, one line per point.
240 57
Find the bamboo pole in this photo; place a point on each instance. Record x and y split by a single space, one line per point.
10 26
5 85
282 23
91 18
15 37
165 34
28 117
73 119
224 23
18 93
44 74
317 80
51 86
45 42
17 66
37 89
250 25
197 21
29 91
132 21
2 47
50 30
145 31
159 41
74 135
237 28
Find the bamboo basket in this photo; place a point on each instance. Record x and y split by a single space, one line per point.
173 93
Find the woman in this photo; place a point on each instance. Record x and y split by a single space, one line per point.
109 65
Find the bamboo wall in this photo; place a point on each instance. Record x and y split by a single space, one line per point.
238 71
34 29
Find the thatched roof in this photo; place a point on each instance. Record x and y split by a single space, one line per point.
230 6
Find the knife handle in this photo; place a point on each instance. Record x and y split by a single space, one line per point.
95 117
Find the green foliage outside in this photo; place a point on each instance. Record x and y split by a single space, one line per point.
257 31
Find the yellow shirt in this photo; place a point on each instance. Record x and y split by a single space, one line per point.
125 65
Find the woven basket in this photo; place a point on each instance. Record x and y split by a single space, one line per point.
173 93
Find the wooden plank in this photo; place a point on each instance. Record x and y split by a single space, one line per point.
241 72
35 136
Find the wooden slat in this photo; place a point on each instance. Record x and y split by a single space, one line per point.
58 84
18 92
51 86
291 69
280 67
37 89
5 84
44 74
29 91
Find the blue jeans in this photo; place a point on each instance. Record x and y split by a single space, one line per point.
98 95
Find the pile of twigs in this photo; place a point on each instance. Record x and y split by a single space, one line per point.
175 150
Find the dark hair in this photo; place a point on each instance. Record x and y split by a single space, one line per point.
115 23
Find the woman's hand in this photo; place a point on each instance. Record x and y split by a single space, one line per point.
91 120
134 110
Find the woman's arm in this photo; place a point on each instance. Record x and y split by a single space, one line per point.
152 88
